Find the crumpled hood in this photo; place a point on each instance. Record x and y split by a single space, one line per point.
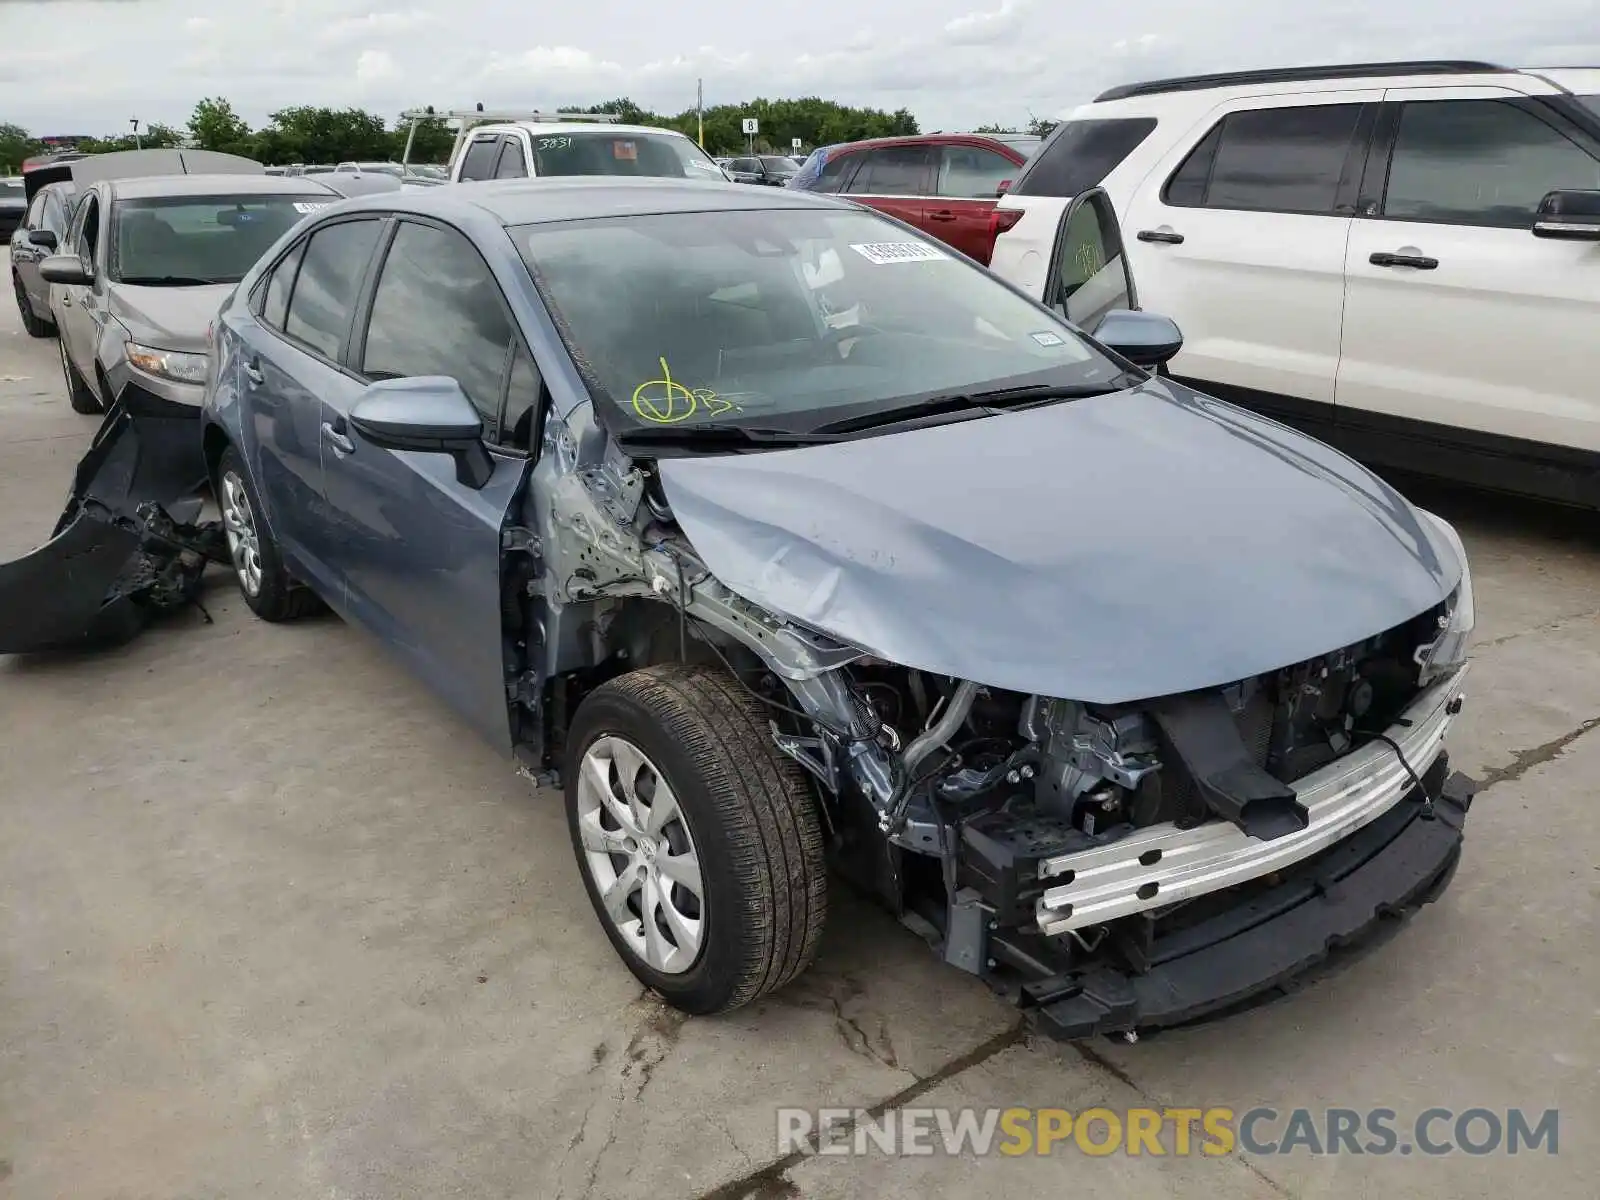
167 318
1110 549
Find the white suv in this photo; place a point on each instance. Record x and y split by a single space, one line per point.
1403 259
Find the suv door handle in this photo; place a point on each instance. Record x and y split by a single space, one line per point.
943 214
253 373
1420 261
341 444
1160 235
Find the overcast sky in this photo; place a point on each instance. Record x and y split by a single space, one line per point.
87 66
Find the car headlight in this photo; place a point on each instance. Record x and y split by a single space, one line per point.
168 364
1449 650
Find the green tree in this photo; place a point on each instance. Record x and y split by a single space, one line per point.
431 144
215 126
327 135
1041 126
16 144
995 129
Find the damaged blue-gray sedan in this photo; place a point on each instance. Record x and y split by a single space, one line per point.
784 538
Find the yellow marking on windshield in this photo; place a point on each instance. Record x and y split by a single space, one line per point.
665 401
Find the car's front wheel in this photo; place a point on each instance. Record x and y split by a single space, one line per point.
36 325
699 842
257 564
80 395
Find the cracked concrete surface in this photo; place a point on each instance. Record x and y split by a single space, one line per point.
273 924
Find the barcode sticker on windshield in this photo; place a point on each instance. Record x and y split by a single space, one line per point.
893 252
310 206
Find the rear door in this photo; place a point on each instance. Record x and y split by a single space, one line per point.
419 549
80 308
295 386
896 180
966 186
1241 240
1458 320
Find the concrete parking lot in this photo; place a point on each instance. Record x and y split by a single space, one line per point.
273 924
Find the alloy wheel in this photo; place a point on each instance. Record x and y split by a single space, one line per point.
641 856
244 543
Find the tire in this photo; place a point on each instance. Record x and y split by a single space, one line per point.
36 325
257 564
80 395
745 810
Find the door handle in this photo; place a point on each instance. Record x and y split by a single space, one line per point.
944 214
1166 236
341 444
1420 261
253 374
66 299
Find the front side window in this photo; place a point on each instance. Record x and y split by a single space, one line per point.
1480 162
181 240
35 215
437 310
513 163
86 228
325 288
972 173
893 171
480 160
608 152
1287 160
1090 276
834 171
1080 154
786 316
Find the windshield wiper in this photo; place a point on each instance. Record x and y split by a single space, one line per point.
167 281
992 400
713 434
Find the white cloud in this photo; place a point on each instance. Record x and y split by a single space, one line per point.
376 26
376 66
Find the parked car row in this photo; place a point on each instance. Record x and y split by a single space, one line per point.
652 478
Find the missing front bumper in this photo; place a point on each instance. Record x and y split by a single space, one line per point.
1314 914
126 546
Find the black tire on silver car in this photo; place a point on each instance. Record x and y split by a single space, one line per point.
36 325
257 566
83 398
699 842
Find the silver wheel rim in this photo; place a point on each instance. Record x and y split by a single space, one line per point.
639 853
244 545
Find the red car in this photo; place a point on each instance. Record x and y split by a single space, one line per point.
945 184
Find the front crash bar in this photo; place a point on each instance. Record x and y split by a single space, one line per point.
125 547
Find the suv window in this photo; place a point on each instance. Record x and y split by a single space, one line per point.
1080 154
513 162
437 310
1288 160
1479 162
275 303
325 290
480 159
972 172
893 171
35 216
86 229
834 172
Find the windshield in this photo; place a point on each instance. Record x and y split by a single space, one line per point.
785 317
199 239
783 166
609 153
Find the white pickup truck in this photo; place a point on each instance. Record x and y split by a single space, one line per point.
574 144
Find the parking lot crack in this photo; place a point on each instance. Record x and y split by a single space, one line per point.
1524 761
1551 626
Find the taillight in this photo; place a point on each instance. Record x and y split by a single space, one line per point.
1002 219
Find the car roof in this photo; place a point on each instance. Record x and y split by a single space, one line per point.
927 139
565 127
572 197
156 186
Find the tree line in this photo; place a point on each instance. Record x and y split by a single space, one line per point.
312 134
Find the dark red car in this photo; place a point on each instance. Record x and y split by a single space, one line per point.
945 184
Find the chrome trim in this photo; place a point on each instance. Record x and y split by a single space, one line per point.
1341 798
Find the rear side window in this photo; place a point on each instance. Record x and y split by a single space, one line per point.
973 173
480 159
438 311
835 171
325 290
513 163
1080 154
1288 160
893 171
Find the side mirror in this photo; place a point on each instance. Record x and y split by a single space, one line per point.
1569 216
65 268
1146 339
429 414
43 238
